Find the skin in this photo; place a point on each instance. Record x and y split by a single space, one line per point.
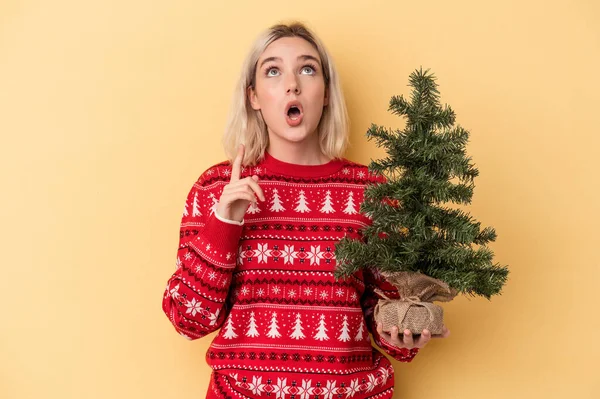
292 76
407 340
285 72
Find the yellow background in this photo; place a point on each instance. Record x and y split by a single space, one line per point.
110 110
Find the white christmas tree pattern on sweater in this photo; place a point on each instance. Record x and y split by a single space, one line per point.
274 328
215 203
276 205
185 209
229 329
301 204
297 331
350 206
252 331
196 206
252 209
327 203
344 336
360 333
321 330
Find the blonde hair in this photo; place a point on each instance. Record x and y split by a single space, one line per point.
246 126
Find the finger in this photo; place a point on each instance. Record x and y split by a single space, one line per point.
254 184
231 197
248 184
445 333
423 339
237 164
396 340
408 339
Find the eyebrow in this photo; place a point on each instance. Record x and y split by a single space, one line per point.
303 57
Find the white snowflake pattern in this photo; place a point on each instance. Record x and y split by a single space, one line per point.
288 254
256 384
212 275
174 292
324 295
193 307
353 388
257 170
353 296
207 247
308 291
339 292
292 293
306 389
329 390
227 172
188 256
198 269
210 172
260 292
228 256
361 174
262 252
276 290
245 291
315 254
345 171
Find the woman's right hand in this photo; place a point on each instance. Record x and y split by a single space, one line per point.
238 194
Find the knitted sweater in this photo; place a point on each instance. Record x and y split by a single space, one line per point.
288 328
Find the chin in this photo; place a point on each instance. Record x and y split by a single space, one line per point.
298 133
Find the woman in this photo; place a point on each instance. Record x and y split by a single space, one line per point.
257 241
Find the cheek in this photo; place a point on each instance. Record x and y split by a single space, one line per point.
267 96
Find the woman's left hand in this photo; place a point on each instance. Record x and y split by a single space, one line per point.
406 340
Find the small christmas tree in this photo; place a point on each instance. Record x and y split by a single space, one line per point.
252 331
422 247
297 332
321 330
344 333
274 328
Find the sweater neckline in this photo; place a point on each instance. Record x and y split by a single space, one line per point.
297 170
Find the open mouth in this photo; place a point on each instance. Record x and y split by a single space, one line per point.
294 113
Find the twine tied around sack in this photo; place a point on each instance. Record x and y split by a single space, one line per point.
410 299
414 310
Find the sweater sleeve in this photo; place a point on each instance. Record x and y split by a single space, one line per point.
368 301
195 299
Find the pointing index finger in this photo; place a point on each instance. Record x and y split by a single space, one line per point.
237 164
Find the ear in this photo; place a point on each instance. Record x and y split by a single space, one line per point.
253 98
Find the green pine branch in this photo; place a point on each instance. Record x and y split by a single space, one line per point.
418 233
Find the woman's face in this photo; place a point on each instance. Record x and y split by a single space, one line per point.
289 72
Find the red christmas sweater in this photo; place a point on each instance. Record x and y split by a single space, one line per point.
288 328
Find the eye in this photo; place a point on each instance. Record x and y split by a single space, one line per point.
310 68
268 71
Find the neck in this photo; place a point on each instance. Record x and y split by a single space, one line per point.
307 152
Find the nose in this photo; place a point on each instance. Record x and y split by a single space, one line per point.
293 85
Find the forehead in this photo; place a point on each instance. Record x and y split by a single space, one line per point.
289 48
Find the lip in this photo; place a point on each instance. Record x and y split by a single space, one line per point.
298 120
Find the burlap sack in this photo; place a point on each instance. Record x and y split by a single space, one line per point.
414 310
